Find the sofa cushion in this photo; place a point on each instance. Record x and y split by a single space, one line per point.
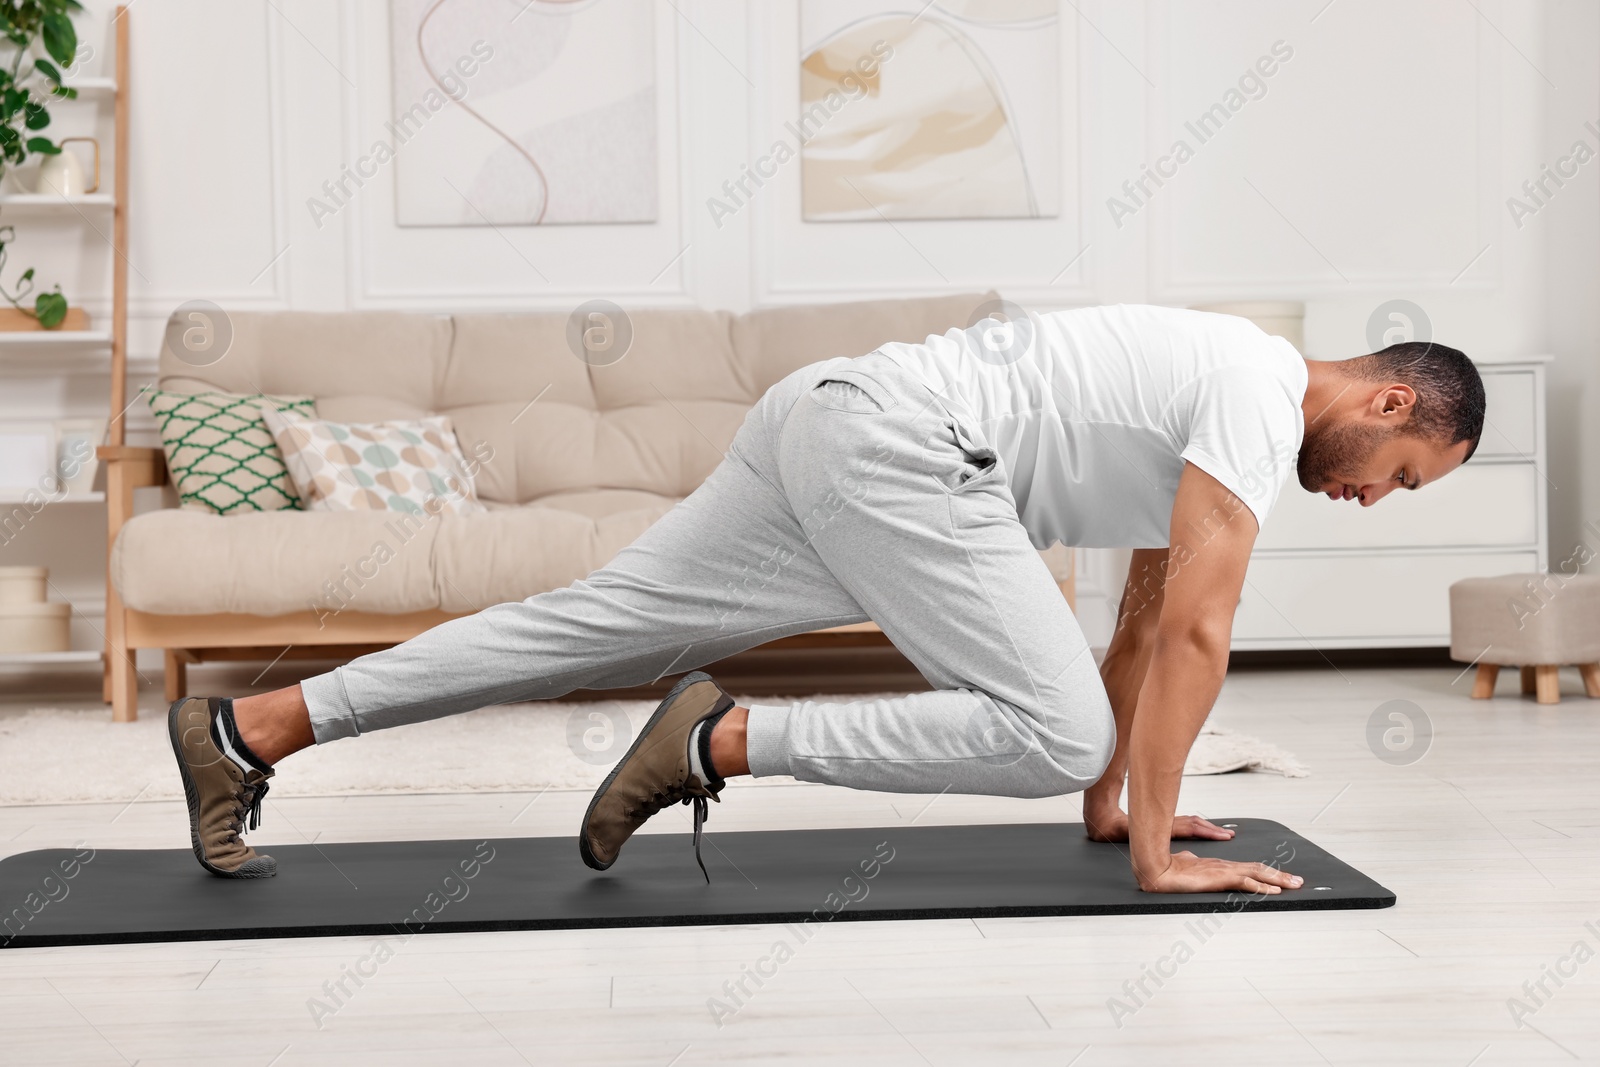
187 563
774 342
656 421
175 562
375 364
515 553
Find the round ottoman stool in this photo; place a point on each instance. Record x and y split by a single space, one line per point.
1539 622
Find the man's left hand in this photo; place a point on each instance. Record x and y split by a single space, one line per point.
1114 827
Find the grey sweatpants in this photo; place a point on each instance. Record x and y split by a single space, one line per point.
849 493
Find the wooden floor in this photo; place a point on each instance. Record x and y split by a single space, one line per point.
1491 840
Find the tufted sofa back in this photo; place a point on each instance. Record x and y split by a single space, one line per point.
657 420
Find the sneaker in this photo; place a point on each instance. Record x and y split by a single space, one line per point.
222 796
654 774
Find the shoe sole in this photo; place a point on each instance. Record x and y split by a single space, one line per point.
191 796
589 858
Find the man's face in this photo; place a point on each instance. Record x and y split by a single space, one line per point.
1356 459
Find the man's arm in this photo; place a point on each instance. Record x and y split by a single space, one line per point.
1212 534
1123 671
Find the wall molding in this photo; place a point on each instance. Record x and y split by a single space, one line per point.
1165 287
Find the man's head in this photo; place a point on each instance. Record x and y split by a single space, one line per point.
1402 417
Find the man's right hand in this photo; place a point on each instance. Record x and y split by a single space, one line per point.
1188 873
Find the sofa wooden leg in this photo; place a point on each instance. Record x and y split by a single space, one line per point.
121 671
177 676
124 687
1547 683
1591 678
1483 687
1527 681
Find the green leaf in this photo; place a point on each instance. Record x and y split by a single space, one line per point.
51 309
64 92
37 118
12 102
60 39
44 146
9 137
48 69
27 276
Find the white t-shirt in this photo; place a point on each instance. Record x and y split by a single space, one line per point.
1094 419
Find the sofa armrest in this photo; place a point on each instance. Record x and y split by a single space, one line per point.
128 467
135 467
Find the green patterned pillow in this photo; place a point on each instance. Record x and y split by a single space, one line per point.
220 452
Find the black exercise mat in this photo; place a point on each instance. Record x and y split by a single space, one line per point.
86 897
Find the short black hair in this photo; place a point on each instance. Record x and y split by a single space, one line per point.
1450 402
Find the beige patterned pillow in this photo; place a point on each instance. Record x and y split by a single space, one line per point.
412 466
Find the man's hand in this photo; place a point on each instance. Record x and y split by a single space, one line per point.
1113 826
1188 873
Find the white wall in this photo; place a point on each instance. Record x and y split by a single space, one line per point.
1376 165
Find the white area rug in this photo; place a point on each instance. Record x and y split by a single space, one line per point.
1219 751
60 756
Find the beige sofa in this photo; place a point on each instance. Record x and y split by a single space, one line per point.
580 459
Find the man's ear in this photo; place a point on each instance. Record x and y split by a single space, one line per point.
1397 400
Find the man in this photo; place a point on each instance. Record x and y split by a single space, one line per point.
913 486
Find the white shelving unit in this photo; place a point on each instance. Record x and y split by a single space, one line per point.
34 659
93 86
95 497
56 202
48 352
56 340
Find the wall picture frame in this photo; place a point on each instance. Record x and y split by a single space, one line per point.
944 110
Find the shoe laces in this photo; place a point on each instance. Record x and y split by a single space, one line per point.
248 808
685 793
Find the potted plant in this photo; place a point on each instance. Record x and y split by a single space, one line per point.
26 85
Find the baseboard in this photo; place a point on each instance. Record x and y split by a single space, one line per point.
1341 657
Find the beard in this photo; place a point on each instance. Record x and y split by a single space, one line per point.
1336 453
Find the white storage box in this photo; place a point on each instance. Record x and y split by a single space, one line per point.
35 627
22 585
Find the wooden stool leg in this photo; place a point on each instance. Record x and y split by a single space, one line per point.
1547 683
1527 681
1483 686
177 676
1591 679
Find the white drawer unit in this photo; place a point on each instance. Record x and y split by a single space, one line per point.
1514 425
1368 600
1477 506
1332 574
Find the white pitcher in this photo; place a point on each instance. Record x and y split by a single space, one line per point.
62 173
